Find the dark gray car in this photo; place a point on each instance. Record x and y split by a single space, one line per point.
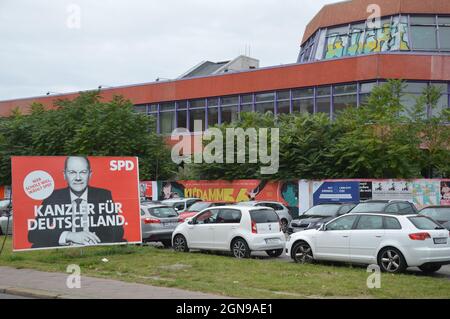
158 221
441 214
318 215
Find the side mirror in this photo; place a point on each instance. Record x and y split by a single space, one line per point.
190 221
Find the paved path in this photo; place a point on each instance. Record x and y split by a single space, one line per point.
38 284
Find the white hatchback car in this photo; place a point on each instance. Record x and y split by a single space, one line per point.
239 229
393 242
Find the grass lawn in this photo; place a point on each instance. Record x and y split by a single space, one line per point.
225 275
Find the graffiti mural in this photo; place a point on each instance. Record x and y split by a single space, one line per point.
390 37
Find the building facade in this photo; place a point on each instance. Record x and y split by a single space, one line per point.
343 55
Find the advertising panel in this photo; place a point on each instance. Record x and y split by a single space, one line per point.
75 201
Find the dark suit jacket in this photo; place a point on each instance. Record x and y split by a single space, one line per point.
50 237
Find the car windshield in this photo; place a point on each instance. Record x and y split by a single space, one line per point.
437 213
424 223
323 210
162 212
198 206
369 207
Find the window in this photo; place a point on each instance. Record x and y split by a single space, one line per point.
140 108
424 223
303 106
264 107
323 105
336 41
423 32
393 209
167 106
444 37
370 222
303 93
182 119
343 223
213 116
197 103
214 101
229 114
229 216
274 206
344 96
229 100
262 216
153 108
365 90
405 208
264 97
208 217
162 212
167 122
391 223
283 107
283 95
197 115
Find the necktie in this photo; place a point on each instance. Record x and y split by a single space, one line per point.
78 210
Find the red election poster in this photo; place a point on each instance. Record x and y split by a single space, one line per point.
73 201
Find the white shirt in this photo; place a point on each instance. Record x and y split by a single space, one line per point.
84 215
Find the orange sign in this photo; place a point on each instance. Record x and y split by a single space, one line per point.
73 201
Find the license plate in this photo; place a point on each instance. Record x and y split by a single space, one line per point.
272 241
440 241
170 224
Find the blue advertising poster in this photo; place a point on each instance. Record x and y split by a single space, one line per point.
336 192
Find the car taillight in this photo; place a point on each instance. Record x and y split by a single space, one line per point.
152 221
419 236
254 230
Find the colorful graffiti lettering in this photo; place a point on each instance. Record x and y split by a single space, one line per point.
388 38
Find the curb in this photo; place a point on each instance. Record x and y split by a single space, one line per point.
34 293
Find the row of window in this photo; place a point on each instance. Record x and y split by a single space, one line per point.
395 33
324 99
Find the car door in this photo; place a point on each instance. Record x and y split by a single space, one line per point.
333 241
201 230
365 238
227 223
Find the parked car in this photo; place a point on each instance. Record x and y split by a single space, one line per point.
6 217
195 208
181 204
279 208
441 214
239 229
396 207
318 215
158 222
394 242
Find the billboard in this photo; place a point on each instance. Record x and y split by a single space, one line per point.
336 192
74 201
234 191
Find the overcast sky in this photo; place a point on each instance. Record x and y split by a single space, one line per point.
120 42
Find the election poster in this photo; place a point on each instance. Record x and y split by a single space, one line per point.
234 191
74 201
146 190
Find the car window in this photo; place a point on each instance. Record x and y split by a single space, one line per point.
393 208
262 216
162 212
277 206
424 223
190 202
208 217
369 207
345 209
142 212
391 223
370 222
199 206
343 223
178 206
406 208
324 210
229 216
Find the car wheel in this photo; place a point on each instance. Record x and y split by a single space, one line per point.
391 260
240 248
167 243
274 252
302 253
180 244
284 225
430 268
